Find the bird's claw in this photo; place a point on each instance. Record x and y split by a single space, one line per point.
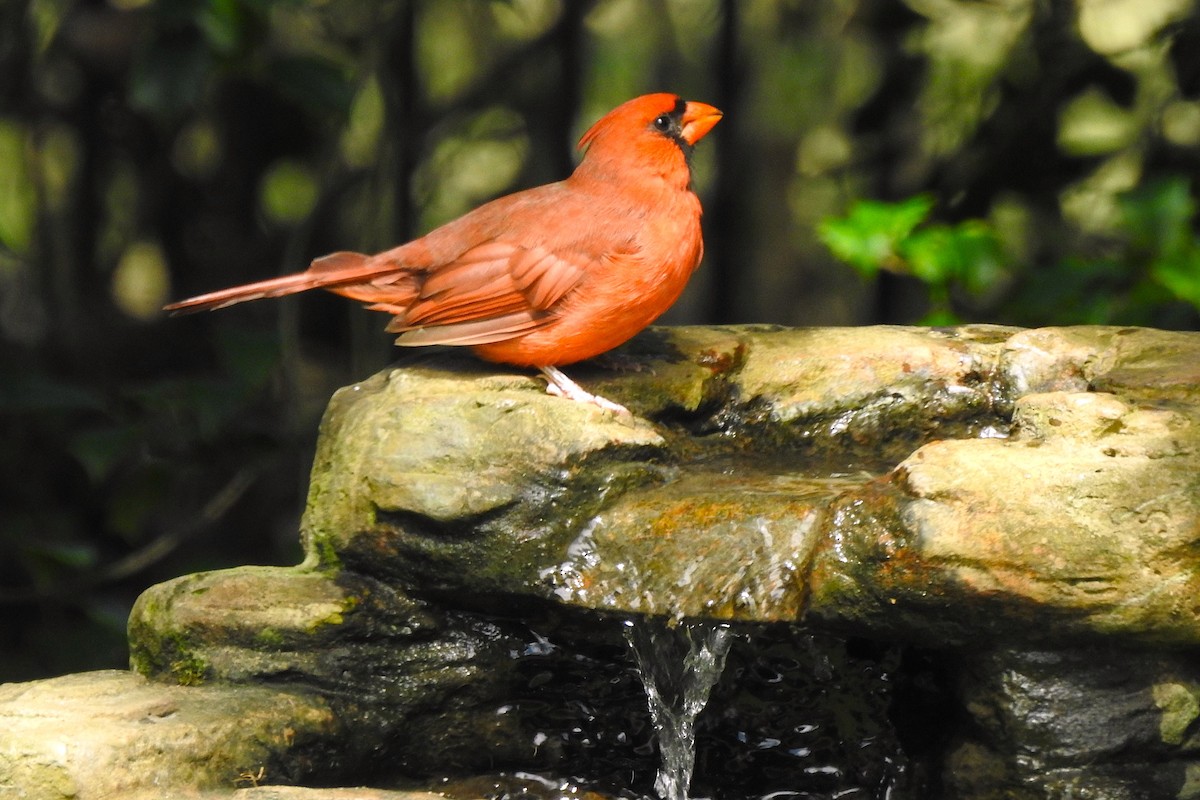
560 385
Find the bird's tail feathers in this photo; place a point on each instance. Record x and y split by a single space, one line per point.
331 271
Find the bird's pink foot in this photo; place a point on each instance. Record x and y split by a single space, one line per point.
561 386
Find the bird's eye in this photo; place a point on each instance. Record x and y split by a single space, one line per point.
663 122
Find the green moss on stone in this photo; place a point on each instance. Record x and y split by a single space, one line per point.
1180 707
189 671
269 637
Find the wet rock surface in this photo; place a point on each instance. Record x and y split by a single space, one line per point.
859 477
1002 523
1112 723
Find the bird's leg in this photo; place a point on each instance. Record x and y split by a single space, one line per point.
562 386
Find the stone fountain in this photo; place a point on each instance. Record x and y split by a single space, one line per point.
959 563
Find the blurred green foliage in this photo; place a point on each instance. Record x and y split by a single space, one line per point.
1010 161
1152 263
899 238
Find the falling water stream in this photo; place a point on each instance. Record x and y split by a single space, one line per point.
679 664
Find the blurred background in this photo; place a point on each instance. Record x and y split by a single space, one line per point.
894 161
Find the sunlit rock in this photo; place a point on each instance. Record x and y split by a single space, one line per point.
885 481
110 734
993 517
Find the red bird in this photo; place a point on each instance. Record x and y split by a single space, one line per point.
546 276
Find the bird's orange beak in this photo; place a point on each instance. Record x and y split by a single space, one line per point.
699 119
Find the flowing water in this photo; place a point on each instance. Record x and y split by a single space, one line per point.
596 708
679 664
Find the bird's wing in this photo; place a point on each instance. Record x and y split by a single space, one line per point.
492 292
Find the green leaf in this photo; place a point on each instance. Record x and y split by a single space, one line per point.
225 24
969 253
1159 217
940 318
984 264
364 128
18 203
870 237
288 191
1180 274
932 255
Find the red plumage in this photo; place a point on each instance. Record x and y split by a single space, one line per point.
546 276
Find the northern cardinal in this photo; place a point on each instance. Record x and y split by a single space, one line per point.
546 276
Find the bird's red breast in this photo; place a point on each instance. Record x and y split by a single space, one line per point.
546 276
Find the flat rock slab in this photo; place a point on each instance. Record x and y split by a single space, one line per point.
109 734
946 485
981 487
282 793
1082 524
